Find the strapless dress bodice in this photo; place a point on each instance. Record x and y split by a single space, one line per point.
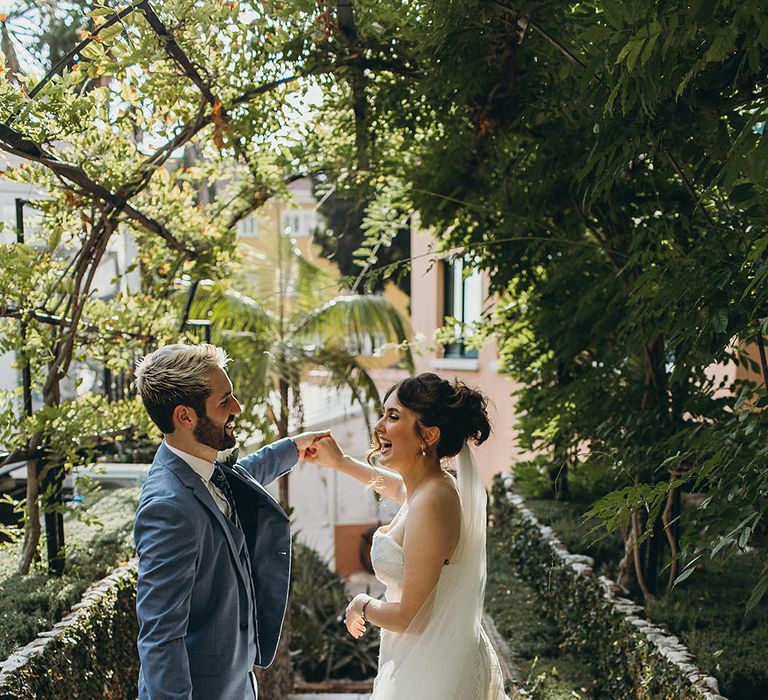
388 564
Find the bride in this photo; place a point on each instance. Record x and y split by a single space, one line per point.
432 555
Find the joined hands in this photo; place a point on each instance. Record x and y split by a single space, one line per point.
305 443
322 450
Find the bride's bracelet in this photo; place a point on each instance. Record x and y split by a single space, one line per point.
362 612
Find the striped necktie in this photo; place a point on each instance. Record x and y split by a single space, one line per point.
220 482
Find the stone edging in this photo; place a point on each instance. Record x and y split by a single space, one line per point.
666 644
94 594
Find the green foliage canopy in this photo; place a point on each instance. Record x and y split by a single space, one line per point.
604 162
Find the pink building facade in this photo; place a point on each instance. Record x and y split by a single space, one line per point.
439 289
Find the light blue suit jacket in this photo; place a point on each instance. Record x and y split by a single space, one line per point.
210 598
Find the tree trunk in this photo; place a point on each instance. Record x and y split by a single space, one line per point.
649 557
654 555
31 519
276 682
669 518
86 263
625 576
357 81
558 472
32 531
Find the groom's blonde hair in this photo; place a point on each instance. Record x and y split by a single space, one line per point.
174 375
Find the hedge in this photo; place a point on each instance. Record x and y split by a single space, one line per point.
96 544
631 657
90 653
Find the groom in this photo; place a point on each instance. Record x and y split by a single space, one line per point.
214 546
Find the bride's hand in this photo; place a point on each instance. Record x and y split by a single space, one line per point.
305 442
353 617
325 451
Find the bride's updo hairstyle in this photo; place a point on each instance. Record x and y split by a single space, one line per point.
458 410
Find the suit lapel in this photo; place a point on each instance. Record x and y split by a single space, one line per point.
192 481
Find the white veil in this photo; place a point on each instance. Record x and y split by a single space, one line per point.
444 654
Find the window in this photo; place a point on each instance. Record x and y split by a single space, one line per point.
8 214
462 301
8 218
248 227
32 233
298 223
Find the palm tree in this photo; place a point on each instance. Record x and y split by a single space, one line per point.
288 317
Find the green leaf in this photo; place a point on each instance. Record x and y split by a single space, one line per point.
631 52
743 193
746 533
720 321
110 32
684 575
757 593
101 12
724 542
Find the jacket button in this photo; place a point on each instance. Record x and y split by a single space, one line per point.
243 625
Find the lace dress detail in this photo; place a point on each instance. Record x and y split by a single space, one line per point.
486 681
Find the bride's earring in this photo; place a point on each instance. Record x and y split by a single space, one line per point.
423 450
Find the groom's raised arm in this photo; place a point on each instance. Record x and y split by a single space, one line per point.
271 461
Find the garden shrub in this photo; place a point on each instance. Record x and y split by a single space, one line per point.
34 603
580 535
320 644
543 667
586 482
89 654
707 610
625 662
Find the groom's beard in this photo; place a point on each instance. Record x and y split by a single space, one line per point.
207 433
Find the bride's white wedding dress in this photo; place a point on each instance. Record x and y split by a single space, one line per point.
444 654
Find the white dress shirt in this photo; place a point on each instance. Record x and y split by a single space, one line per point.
204 469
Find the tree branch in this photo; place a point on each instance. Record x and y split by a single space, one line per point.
528 22
249 94
90 329
68 57
58 369
688 185
380 64
13 142
175 51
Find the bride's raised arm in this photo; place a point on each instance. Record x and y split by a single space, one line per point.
387 483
